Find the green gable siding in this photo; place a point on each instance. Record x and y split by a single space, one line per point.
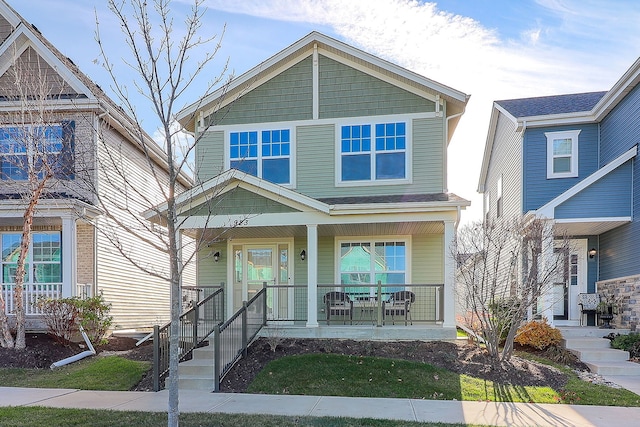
287 96
347 92
209 156
241 202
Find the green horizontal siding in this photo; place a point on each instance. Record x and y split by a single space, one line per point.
427 259
209 156
315 155
347 92
428 155
287 96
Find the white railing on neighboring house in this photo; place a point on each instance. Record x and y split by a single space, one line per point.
84 290
31 293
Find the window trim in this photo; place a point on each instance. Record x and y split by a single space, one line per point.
373 121
551 137
260 158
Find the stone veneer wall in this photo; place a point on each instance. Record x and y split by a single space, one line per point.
629 289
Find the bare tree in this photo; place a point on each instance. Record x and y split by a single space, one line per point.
164 68
36 156
506 272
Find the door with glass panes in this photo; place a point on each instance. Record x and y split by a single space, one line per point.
257 265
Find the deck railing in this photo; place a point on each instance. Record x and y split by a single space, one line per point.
31 293
232 338
196 324
366 305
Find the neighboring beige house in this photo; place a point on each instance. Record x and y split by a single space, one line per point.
72 251
325 169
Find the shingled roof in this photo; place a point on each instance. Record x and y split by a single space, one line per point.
549 105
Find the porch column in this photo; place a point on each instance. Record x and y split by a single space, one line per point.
312 276
69 256
449 275
547 259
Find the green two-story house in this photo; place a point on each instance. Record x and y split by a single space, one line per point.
322 175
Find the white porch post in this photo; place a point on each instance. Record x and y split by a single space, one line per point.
69 256
449 275
546 259
312 276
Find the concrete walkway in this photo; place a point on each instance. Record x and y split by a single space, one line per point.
487 413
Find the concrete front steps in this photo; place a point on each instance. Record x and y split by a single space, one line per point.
197 373
595 351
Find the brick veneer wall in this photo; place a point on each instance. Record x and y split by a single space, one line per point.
627 288
85 255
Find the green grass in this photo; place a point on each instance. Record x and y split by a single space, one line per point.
51 417
93 373
340 375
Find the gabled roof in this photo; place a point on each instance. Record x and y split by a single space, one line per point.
589 107
550 105
302 49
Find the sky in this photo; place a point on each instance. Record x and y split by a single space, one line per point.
489 49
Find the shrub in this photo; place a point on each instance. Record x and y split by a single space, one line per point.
538 334
630 343
61 317
503 315
94 317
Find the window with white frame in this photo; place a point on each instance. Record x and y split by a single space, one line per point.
46 150
487 205
562 154
43 263
365 263
265 154
373 152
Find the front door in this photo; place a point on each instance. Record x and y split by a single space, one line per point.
257 265
571 281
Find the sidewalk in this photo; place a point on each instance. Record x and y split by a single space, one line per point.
488 413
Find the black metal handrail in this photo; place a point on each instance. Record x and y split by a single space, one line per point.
196 325
232 338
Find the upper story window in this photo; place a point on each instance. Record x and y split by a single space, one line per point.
43 149
265 154
373 152
562 154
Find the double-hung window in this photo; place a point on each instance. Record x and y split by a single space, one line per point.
45 150
265 154
365 263
373 152
562 154
43 263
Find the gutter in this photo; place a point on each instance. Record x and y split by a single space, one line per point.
79 356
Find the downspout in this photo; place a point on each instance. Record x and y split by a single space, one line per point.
71 359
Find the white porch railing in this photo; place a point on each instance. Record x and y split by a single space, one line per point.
31 293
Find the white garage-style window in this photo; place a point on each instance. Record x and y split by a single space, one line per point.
562 154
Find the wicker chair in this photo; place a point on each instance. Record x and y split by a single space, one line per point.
399 305
338 304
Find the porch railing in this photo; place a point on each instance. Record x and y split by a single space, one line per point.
196 324
232 338
366 305
32 292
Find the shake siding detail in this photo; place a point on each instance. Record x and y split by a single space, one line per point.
287 96
209 158
347 92
620 131
138 298
608 197
538 190
241 202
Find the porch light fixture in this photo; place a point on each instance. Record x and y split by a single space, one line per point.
303 255
216 256
592 252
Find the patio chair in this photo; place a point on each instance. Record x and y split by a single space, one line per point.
588 304
338 304
399 304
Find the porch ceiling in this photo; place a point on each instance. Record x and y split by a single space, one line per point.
588 228
401 228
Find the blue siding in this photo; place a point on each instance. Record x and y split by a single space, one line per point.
620 131
539 190
598 200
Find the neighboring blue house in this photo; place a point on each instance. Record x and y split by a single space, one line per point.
572 158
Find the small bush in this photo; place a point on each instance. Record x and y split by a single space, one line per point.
61 317
630 343
538 334
94 318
